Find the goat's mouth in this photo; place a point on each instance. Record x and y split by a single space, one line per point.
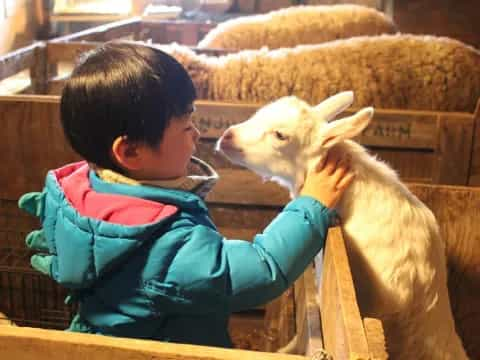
228 149
233 153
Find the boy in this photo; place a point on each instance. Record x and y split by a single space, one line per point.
127 229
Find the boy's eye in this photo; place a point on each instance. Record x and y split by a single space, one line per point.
280 136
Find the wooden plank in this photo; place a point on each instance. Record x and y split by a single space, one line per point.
180 31
246 188
4 320
213 118
241 222
454 149
400 129
393 129
57 52
32 142
36 98
37 118
309 330
97 33
280 321
342 326
375 339
18 60
474 170
22 343
457 210
247 330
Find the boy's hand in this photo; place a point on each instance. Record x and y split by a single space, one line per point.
328 180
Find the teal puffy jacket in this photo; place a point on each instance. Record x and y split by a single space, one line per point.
148 262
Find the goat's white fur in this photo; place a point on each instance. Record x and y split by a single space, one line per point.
396 254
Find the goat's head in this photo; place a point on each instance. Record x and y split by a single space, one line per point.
283 139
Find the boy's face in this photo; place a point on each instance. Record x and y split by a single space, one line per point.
171 157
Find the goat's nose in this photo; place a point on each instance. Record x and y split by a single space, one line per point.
228 138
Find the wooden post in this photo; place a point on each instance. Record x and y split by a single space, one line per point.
342 326
474 168
454 149
39 70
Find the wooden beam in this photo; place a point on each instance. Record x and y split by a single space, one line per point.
39 70
342 326
22 343
98 33
18 60
68 52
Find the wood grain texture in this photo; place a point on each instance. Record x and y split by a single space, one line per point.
308 325
22 343
280 321
18 60
474 171
375 339
120 28
457 210
342 325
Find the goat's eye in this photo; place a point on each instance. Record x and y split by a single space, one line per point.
280 136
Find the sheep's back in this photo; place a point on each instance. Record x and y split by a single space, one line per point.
388 71
298 25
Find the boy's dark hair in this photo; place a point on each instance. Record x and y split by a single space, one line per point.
122 89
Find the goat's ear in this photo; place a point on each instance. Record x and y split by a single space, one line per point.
346 128
333 105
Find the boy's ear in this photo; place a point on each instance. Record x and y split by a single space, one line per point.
343 129
127 154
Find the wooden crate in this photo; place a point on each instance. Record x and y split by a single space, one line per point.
423 146
430 147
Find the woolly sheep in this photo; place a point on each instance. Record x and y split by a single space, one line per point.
387 71
297 25
396 254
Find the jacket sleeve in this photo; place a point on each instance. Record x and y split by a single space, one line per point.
242 274
262 270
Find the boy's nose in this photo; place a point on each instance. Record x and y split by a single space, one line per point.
196 135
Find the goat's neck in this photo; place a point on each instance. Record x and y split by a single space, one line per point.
375 183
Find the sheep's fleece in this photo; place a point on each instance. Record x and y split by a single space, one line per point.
386 71
298 25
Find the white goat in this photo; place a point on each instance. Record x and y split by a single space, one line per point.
396 254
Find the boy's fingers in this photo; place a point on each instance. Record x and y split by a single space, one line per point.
321 164
331 164
345 181
342 169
